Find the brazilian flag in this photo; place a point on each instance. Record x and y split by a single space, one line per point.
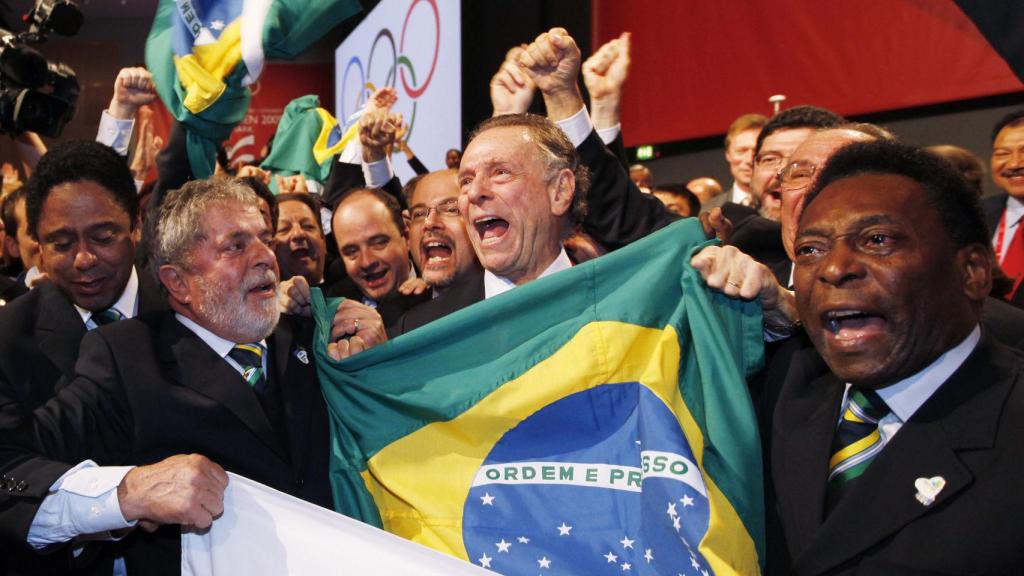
204 54
595 417
308 137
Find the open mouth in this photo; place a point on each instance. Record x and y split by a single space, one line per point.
376 279
490 228
90 286
301 254
263 286
436 251
851 325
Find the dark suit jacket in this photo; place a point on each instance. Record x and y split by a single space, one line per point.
10 289
992 207
458 296
390 310
149 388
39 345
760 238
618 213
969 433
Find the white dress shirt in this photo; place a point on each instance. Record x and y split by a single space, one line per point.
905 397
127 304
1013 214
494 284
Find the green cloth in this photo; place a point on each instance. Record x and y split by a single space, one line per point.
417 421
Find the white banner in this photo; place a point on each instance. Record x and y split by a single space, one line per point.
264 531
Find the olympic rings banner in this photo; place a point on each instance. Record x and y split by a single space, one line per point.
413 46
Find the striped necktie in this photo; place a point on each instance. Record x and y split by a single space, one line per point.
250 358
857 441
108 316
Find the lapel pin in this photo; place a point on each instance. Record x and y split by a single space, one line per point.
300 353
928 489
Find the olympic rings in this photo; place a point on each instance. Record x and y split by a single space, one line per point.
393 62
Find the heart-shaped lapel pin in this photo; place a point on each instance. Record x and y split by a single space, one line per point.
928 489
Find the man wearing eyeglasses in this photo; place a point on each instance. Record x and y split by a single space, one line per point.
757 233
437 233
441 250
776 142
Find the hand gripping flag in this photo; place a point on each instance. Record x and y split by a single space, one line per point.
204 54
596 417
307 138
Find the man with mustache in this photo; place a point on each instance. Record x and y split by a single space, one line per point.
440 246
166 403
1003 212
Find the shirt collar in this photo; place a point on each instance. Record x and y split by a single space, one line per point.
907 395
1014 210
127 304
219 345
494 284
738 196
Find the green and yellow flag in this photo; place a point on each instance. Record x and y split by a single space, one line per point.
307 139
204 54
598 416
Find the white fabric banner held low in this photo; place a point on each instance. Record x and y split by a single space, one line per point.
264 531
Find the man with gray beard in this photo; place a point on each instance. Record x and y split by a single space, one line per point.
167 403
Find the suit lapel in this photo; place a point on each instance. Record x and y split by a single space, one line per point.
961 415
802 453
210 375
293 377
59 329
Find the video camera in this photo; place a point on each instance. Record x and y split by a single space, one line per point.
36 94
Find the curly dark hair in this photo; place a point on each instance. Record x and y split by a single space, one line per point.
77 161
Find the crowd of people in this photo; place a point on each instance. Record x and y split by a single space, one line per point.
151 342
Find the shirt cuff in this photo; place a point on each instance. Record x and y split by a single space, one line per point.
82 501
352 153
377 173
577 127
115 132
609 134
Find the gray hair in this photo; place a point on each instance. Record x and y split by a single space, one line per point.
180 228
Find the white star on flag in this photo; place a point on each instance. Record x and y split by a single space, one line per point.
671 509
217 25
626 542
648 556
503 546
523 540
611 557
485 560
686 500
675 523
487 499
626 566
563 530
544 562
704 573
694 563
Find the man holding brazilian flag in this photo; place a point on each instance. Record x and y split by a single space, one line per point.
598 416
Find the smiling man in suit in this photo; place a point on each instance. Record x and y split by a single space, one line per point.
83 208
166 403
900 453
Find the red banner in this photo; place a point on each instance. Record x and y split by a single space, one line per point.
696 66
